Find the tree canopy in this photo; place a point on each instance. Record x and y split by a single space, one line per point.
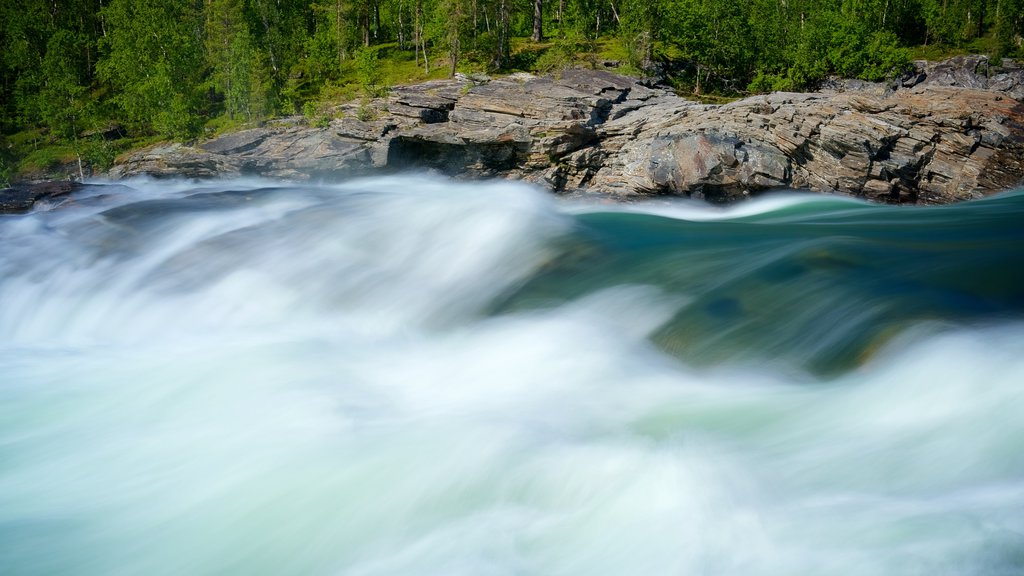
165 67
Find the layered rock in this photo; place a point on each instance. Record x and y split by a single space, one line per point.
932 144
928 138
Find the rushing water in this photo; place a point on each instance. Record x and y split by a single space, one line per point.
414 376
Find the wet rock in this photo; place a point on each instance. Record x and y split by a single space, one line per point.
22 197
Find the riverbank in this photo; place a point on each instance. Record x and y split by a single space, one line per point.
944 132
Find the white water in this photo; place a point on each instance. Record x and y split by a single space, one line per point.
304 384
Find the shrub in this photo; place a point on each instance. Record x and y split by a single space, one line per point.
369 74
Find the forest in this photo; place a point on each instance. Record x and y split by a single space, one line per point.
76 72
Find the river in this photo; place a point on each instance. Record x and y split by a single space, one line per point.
408 375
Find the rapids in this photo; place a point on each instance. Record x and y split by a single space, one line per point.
407 375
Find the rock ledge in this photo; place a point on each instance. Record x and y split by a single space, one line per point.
945 132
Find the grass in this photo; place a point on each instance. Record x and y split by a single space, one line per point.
46 158
33 154
935 52
399 66
395 67
223 124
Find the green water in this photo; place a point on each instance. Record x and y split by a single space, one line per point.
822 283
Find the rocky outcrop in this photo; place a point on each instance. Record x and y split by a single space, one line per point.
1005 76
940 135
974 71
930 144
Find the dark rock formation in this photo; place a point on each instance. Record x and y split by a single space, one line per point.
946 132
1006 76
22 197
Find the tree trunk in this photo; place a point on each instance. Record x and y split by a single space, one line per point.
615 14
456 18
502 25
981 20
364 22
339 36
416 30
401 28
376 19
266 29
418 40
538 11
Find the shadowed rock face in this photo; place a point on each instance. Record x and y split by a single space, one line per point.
22 197
945 132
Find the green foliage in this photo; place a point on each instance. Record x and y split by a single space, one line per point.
222 124
716 37
316 114
152 48
1008 29
639 30
767 82
364 112
63 105
47 158
238 71
525 57
290 96
369 73
852 50
952 22
7 162
449 29
486 51
807 42
565 52
98 154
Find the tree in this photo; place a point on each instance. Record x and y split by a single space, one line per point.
233 60
150 55
538 20
329 43
715 36
639 28
450 22
279 32
420 37
62 98
953 22
1008 20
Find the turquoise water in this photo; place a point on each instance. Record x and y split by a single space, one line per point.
414 376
